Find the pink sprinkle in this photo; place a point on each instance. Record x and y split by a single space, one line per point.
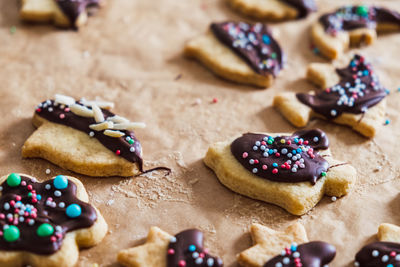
215 100
62 116
18 198
23 183
1 233
66 109
182 263
264 167
275 171
393 254
206 250
12 203
245 155
53 239
2 216
171 251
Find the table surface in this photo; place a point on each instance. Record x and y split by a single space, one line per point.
131 53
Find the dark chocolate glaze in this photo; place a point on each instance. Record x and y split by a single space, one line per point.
312 254
304 7
366 258
179 250
55 216
359 89
314 165
354 17
253 43
82 124
73 8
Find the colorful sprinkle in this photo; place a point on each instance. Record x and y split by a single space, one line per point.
73 211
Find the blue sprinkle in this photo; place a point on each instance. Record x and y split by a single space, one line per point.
266 39
299 150
387 91
389 265
275 164
39 197
294 152
387 122
365 72
192 248
293 247
270 151
60 182
296 140
352 63
73 211
398 89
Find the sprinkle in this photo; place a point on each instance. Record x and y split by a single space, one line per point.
47 186
192 248
315 139
57 193
245 155
333 113
387 91
60 182
62 116
118 152
387 122
91 133
73 211
215 100
132 149
333 198
375 253
171 251
275 171
48 171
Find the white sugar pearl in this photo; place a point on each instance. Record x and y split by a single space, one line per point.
91 134
6 206
251 161
258 143
58 228
31 222
255 148
289 155
294 170
315 139
61 205
57 193
50 109
385 258
255 170
278 264
356 264
333 199
284 151
132 149
286 260
296 254
210 262
375 253
48 171
397 258
265 154
173 239
1 188
262 147
333 112
21 219
47 186
195 255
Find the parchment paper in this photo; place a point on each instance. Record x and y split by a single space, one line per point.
131 53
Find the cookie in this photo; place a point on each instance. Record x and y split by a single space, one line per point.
385 252
163 250
352 25
280 248
291 171
238 51
85 137
275 10
45 224
63 13
353 96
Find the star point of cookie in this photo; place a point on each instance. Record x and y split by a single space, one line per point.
352 96
350 26
383 253
164 250
290 246
274 10
291 171
63 13
238 51
45 224
85 137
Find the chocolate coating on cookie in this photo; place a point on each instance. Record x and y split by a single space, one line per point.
312 254
359 89
186 249
304 7
379 254
126 146
287 159
354 17
35 216
74 8
253 43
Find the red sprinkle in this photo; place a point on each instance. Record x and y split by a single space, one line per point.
288 142
215 100
38 110
2 216
182 263
53 239
29 187
277 154
118 152
275 171
17 198
256 161
12 203
393 254
306 142
171 251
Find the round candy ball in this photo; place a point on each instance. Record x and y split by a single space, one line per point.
45 229
11 234
60 182
14 179
74 210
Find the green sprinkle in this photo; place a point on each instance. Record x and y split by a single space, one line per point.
323 174
362 11
45 229
13 180
13 29
131 141
29 194
273 55
11 234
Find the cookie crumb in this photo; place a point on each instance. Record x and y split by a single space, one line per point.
110 202
377 169
48 171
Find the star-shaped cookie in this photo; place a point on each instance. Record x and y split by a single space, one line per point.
352 96
352 25
163 250
291 171
275 10
85 137
238 51
63 13
274 248
45 224
385 252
